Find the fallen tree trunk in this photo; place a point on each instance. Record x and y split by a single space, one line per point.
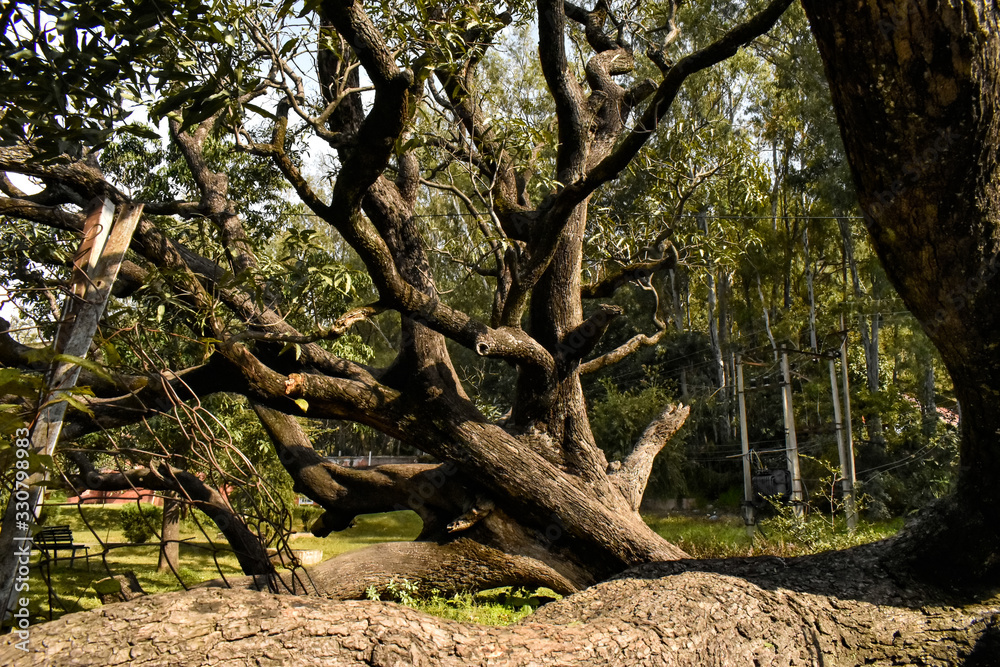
831 609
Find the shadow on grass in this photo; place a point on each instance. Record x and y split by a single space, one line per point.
200 559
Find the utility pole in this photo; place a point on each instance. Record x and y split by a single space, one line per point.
847 462
791 443
845 467
748 513
94 272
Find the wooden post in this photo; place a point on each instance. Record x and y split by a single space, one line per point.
95 270
748 512
791 442
849 476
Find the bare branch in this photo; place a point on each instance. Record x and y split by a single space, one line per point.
726 46
621 352
633 475
340 327
633 272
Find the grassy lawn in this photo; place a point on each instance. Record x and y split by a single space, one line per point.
201 561
726 536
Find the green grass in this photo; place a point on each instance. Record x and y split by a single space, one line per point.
726 537
497 606
201 561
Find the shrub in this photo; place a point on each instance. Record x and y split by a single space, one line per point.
139 523
309 515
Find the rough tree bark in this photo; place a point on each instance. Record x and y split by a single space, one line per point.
916 86
830 609
171 533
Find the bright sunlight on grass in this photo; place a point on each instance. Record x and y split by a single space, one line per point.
726 536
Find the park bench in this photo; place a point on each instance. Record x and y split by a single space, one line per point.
52 539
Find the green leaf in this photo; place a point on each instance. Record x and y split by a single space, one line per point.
79 405
303 404
91 366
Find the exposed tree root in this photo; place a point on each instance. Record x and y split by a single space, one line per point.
831 609
450 568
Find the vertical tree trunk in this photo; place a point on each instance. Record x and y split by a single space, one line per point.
675 294
812 294
916 87
170 549
869 328
714 317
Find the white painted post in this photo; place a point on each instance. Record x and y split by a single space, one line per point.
845 467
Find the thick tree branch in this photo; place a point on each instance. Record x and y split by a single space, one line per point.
631 478
340 327
593 25
581 341
48 215
633 272
622 351
214 187
571 110
431 490
82 176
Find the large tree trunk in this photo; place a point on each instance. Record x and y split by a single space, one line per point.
831 609
928 394
533 485
915 85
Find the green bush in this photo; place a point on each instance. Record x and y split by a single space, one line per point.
309 514
139 523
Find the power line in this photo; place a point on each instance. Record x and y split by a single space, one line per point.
645 215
